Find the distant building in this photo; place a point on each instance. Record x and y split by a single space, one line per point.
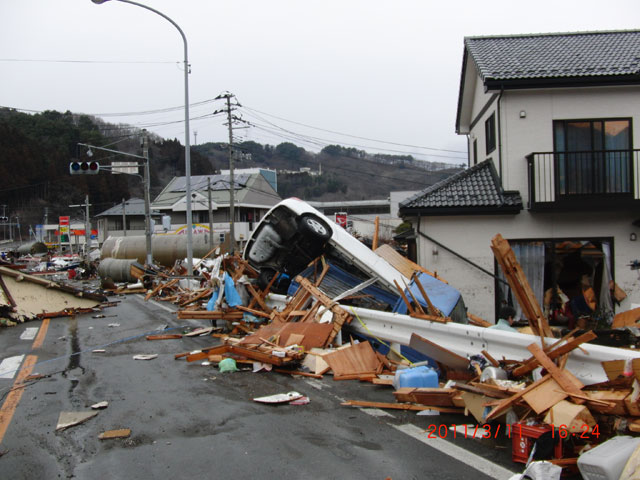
126 218
254 195
361 214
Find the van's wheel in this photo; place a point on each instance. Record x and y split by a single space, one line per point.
315 229
264 277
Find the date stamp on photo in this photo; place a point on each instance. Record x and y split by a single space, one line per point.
442 431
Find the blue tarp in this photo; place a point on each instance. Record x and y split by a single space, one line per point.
231 295
443 296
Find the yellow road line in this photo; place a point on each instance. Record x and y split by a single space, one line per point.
13 398
37 343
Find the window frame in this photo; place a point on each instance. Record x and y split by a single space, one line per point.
490 133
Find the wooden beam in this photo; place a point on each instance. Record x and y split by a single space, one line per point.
532 363
520 286
565 379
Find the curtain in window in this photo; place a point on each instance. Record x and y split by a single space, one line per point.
530 256
604 302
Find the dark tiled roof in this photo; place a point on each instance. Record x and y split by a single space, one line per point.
477 188
584 54
133 206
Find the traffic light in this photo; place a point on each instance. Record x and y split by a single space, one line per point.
86 168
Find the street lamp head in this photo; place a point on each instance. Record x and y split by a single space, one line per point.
98 2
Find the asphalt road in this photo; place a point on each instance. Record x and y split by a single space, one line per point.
190 421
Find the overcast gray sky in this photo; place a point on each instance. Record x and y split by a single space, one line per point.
379 70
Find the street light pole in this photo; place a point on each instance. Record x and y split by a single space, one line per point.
187 146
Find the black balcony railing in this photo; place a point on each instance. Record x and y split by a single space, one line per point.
568 178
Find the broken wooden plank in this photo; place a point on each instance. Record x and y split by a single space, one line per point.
438 353
532 363
399 406
120 433
508 402
567 381
165 336
520 286
354 360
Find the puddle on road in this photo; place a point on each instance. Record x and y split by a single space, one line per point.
74 368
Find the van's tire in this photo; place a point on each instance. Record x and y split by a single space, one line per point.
264 277
312 228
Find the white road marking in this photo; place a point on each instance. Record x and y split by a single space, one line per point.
376 412
158 304
29 333
10 366
470 431
479 463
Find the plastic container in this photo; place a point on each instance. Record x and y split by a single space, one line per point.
607 460
416 377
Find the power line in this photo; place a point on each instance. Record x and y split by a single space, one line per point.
37 60
355 136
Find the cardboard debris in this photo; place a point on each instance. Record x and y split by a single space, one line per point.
71 419
100 405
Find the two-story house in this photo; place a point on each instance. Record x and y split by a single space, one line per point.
550 121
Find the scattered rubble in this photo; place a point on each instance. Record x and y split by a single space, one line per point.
546 409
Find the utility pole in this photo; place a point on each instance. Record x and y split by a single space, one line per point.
147 195
232 185
87 226
210 215
195 137
124 218
230 123
4 222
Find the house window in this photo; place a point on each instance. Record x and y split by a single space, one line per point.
593 156
490 133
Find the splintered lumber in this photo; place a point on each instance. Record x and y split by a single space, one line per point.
431 307
438 353
376 231
477 321
405 266
160 286
508 402
398 406
573 417
532 363
353 360
120 433
258 297
264 356
545 396
210 315
164 336
204 293
439 397
310 335
520 286
340 315
565 379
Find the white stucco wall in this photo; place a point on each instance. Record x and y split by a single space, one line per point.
471 237
534 133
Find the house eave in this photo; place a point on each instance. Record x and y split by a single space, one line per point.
459 211
560 82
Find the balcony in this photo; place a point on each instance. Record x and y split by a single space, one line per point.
593 180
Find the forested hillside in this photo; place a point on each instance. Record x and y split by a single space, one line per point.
35 151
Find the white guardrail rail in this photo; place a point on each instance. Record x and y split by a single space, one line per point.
469 340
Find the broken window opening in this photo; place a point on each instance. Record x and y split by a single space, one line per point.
572 280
